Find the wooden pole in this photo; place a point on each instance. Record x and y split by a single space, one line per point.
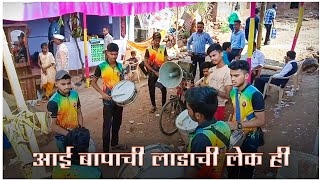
261 22
85 34
251 37
301 11
177 25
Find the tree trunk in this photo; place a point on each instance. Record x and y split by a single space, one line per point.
262 11
79 52
82 64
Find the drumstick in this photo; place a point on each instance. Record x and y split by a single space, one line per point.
115 95
122 84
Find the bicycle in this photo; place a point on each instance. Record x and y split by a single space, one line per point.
177 103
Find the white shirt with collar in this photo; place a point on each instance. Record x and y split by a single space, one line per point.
257 59
107 40
287 68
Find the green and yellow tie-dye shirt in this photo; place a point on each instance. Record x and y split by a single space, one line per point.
65 109
110 76
156 58
204 136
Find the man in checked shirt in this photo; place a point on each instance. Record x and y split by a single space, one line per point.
198 40
270 15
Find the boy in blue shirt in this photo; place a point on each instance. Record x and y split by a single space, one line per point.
226 47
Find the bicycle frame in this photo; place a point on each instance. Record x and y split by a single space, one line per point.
183 86
180 92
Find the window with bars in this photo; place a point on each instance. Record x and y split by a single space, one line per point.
97 52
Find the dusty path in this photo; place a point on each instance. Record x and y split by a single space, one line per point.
296 127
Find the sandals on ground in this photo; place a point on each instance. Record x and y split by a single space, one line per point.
154 108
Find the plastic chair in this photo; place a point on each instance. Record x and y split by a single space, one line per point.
296 77
134 68
279 88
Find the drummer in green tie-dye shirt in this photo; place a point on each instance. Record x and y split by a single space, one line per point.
65 109
202 102
111 73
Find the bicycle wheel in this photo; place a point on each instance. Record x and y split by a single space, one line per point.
168 115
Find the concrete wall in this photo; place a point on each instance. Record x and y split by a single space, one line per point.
39 29
284 8
224 9
96 28
38 34
96 23
116 28
74 62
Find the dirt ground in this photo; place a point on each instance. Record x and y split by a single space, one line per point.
296 125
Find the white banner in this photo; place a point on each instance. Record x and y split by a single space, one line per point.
161 20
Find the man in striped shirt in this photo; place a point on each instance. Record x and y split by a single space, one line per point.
270 15
198 40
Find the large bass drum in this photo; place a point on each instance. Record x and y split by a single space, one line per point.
185 125
147 171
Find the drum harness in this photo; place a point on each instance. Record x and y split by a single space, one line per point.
219 135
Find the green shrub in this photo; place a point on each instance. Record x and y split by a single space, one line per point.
224 28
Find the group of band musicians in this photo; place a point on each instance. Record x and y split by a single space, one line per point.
202 102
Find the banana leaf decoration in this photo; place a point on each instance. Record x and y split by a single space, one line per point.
76 28
77 32
17 123
60 21
16 127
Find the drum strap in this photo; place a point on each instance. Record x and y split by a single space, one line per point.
221 136
238 113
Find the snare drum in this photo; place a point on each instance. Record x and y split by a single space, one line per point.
124 93
185 125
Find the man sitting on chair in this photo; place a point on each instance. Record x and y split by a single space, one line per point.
257 62
132 60
289 69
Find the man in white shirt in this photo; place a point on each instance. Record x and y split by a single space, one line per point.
289 69
107 37
257 62
62 54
